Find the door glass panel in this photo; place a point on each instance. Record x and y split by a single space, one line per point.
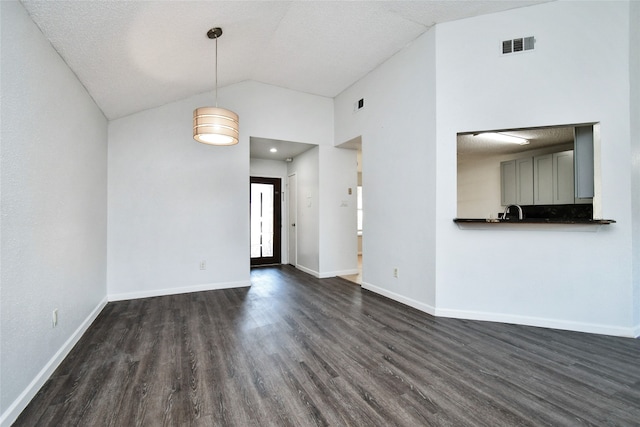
262 220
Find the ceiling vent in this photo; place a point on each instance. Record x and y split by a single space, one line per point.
520 44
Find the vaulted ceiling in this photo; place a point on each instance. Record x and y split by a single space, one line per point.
135 55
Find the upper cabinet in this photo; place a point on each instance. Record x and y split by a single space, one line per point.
508 182
524 170
541 180
516 181
563 190
584 162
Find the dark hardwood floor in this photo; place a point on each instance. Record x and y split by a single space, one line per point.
293 350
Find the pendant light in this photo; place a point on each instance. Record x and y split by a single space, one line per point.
213 125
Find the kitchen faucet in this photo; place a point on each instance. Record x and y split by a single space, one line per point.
506 211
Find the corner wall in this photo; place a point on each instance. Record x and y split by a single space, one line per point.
398 130
338 238
306 167
634 72
578 73
54 204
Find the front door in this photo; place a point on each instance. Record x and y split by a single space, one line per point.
265 205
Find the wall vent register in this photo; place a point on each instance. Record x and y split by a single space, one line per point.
516 45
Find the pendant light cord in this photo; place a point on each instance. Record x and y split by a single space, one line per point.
216 72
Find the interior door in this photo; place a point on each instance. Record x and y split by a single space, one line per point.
293 217
266 220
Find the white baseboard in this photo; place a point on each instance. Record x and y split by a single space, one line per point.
9 416
175 291
592 328
339 273
400 298
308 271
566 325
636 332
326 274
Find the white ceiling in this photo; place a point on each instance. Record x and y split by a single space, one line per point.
472 145
136 55
260 148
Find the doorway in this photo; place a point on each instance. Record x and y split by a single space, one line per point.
356 144
266 220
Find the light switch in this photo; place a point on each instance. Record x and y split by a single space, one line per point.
350 191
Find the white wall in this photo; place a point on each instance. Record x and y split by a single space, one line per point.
306 167
54 180
634 71
478 187
338 218
276 169
174 202
398 128
579 72
360 184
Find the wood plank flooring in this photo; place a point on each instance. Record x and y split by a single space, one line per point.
293 350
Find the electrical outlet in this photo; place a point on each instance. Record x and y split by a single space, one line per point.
54 317
203 265
396 272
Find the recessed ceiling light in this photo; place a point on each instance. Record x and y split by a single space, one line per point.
274 150
501 137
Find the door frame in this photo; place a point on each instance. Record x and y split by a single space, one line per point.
277 220
292 232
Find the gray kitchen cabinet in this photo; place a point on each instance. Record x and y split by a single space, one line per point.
543 180
516 182
553 179
524 181
508 183
563 178
584 163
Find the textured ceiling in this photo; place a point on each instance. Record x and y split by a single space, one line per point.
470 145
260 148
135 55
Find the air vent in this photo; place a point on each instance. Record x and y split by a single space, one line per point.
519 44
529 42
358 105
507 46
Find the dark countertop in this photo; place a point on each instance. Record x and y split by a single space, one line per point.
580 221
